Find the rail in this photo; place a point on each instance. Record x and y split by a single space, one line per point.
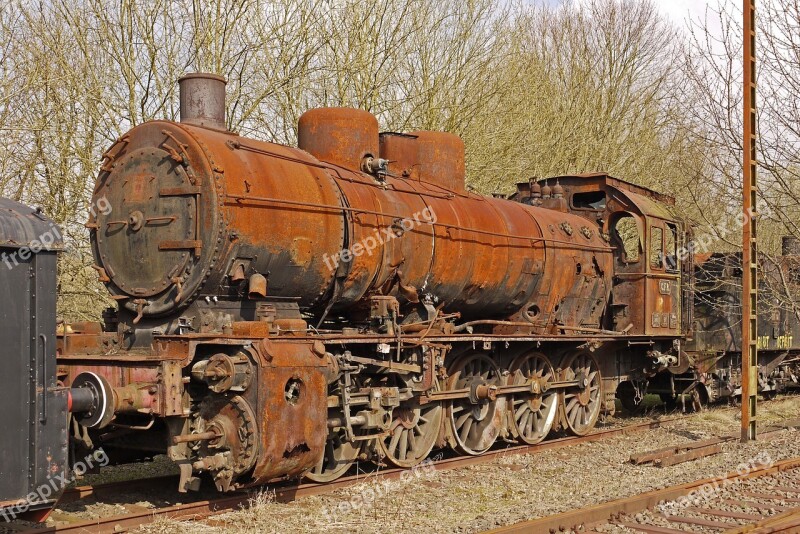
291 491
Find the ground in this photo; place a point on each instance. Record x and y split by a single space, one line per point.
508 489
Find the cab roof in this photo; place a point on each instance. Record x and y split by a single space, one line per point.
22 226
630 196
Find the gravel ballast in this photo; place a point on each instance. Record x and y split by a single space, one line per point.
513 488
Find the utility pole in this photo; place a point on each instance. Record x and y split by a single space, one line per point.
749 257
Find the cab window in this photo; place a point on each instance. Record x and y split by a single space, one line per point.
626 234
656 247
589 200
671 248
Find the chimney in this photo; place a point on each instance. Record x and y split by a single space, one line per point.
202 97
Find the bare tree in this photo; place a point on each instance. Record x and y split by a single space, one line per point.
533 90
714 76
596 87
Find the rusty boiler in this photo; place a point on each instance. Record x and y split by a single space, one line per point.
195 207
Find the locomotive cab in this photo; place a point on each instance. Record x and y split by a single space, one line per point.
646 237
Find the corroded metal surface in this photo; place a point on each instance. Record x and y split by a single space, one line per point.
202 98
441 160
215 244
292 411
402 152
225 207
749 241
198 221
341 136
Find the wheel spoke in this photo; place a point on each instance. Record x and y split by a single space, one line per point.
475 427
524 419
532 424
461 419
403 444
414 432
318 468
574 416
395 439
338 455
572 403
412 439
465 429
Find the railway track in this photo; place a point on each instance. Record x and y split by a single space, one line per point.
206 508
760 499
288 492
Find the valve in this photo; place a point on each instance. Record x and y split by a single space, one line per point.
222 372
372 165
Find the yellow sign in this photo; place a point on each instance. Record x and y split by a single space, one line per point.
781 342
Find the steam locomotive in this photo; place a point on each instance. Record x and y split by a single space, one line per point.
285 312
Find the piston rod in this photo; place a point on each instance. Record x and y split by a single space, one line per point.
188 438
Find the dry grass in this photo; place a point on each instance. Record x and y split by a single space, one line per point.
774 412
508 489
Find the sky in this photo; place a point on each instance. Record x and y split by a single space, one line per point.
684 13
680 10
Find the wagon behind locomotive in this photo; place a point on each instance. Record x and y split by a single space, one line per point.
34 438
715 346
